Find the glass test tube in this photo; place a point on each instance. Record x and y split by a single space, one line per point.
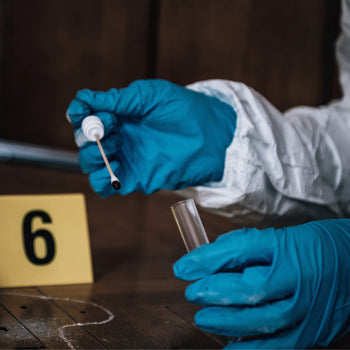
189 224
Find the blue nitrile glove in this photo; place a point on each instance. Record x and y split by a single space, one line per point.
158 135
287 288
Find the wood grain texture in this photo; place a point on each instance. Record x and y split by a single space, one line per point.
55 48
43 320
275 47
15 335
52 49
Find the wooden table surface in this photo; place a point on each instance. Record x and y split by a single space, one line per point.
135 301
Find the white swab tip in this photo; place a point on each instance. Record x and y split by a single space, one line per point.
91 127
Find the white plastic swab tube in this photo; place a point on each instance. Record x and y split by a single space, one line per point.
93 129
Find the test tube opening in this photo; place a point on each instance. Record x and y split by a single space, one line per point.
189 224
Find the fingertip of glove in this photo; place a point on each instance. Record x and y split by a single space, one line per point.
183 270
195 264
84 94
178 270
76 111
203 319
191 293
100 183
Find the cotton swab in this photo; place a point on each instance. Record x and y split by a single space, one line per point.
114 180
93 129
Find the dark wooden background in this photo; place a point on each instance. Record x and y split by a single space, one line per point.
52 48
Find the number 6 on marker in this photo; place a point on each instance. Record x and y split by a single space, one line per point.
40 237
29 237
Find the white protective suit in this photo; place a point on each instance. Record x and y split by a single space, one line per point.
294 164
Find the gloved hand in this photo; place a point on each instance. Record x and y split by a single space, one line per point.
158 135
287 288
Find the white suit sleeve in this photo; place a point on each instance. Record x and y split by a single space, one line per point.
292 164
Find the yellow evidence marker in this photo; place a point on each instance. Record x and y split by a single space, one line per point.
44 240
